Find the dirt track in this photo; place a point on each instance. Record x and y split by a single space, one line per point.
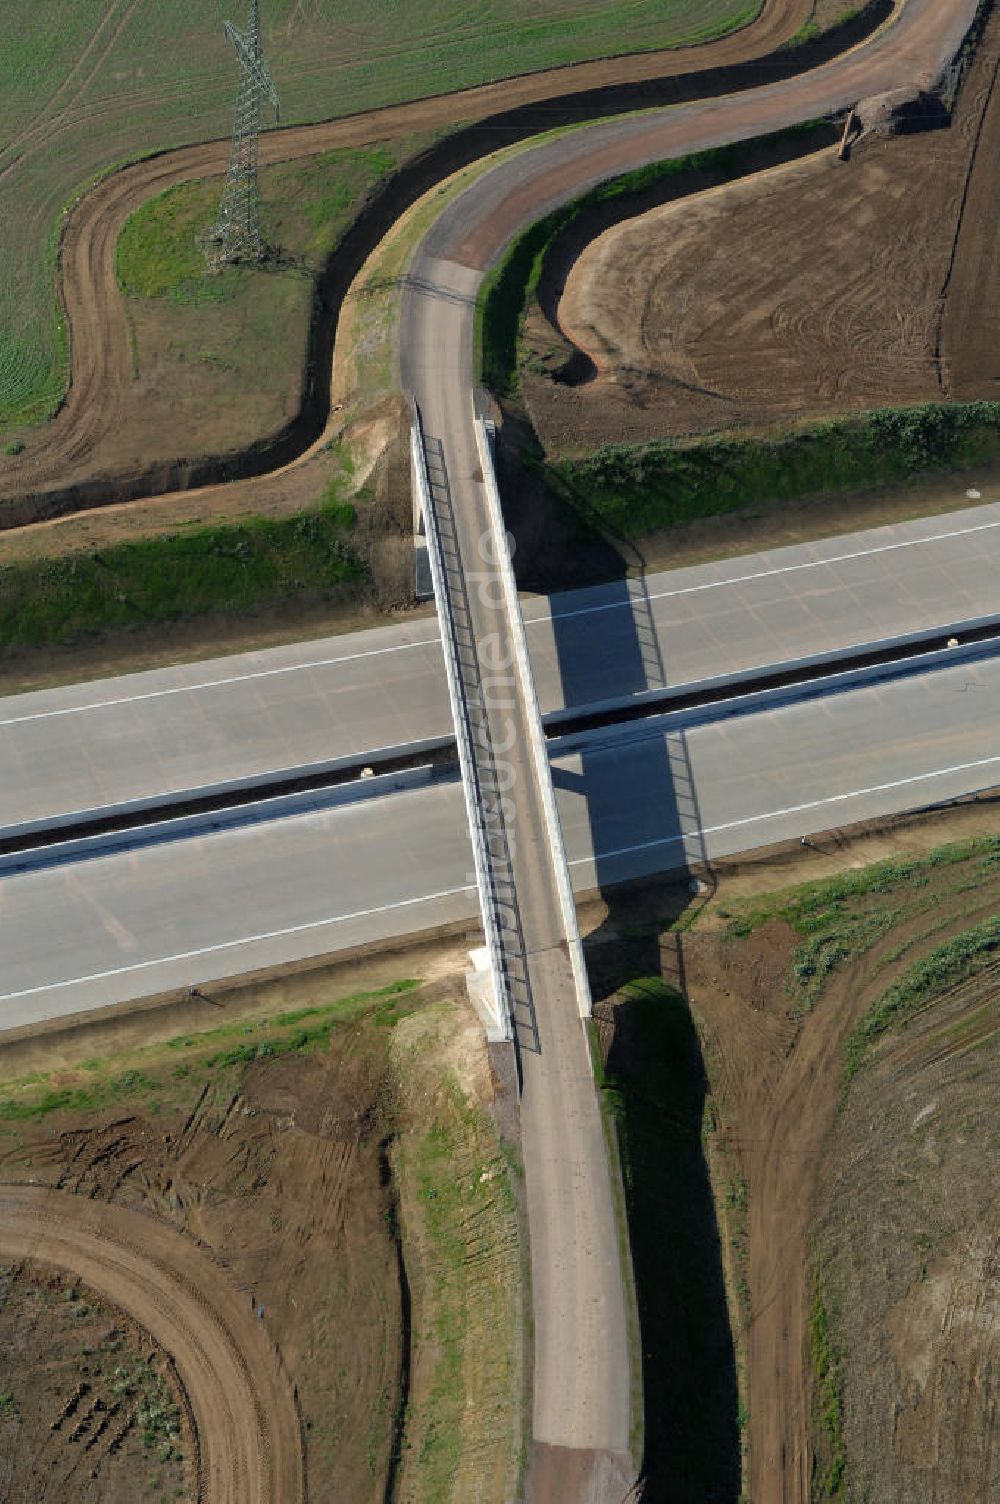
241 1398
82 441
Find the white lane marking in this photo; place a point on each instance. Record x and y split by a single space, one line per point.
792 809
207 950
765 574
298 929
529 621
188 689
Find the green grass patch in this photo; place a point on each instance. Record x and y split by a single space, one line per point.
459 1224
642 489
229 567
810 907
944 967
839 918
305 208
510 287
153 1074
828 1469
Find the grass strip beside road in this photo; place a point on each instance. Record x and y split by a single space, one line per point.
184 1064
227 568
637 490
839 918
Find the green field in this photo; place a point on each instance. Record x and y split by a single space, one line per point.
98 81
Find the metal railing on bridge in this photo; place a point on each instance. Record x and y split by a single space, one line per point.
482 788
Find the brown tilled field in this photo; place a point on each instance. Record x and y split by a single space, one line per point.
807 290
881 1190
261 1263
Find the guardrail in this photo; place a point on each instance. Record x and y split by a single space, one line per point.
63 824
475 805
58 853
536 734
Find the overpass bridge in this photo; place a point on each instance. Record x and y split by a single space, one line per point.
581 1391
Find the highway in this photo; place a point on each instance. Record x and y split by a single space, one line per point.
88 934
172 730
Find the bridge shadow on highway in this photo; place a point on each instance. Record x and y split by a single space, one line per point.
654 1061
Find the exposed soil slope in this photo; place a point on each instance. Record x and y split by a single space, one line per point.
807 290
910 1247
776 1070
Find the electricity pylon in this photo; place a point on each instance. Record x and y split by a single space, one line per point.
237 235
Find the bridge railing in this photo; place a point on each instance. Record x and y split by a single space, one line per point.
475 794
539 751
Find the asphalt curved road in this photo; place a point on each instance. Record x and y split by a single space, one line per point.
581 1407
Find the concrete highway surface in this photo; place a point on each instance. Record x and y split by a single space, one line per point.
105 930
84 746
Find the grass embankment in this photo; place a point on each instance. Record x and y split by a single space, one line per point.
946 966
182 1066
228 568
655 1091
458 1216
642 489
840 918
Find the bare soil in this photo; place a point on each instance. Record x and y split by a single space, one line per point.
713 314
80 1382
906 1223
242 1230
909 1244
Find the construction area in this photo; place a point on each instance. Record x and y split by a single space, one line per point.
276 1259
298 1233
805 291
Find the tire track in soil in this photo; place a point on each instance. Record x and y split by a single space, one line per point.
780 1125
45 122
242 1402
